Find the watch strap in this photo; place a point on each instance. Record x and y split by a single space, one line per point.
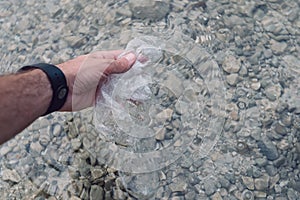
58 84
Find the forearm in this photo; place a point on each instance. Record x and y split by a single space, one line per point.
23 98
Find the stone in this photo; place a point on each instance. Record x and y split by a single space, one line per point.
190 195
296 186
231 64
52 189
174 84
86 143
97 173
273 92
273 25
11 175
283 145
56 129
261 162
280 161
73 172
268 53
292 195
274 180
232 79
291 62
84 195
96 192
262 183
280 129
36 147
125 11
160 134
4 150
216 196
286 120
196 53
118 194
278 47
243 70
178 185
255 85
209 187
153 10
164 115
247 195
260 195
268 149
248 182
224 182
76 144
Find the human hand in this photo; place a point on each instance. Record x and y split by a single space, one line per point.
86 74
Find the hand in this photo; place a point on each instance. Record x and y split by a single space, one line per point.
85 75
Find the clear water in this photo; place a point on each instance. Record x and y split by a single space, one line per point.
171 126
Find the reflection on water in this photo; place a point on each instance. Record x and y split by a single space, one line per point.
219 118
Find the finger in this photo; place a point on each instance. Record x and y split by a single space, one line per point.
106 54
121 65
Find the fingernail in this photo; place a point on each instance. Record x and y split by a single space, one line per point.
130 57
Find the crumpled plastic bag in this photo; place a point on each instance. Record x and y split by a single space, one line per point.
132 86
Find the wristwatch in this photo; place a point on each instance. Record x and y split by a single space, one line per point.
58 84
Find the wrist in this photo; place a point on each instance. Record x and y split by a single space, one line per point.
58 84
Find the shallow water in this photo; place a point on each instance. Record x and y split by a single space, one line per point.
220 118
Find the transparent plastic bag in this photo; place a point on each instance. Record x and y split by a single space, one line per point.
165 106
130 87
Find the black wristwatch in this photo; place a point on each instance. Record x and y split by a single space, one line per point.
58 83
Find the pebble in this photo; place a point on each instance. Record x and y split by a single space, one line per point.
268 149
97 173
262 183
209 187
255 85
232 79
231 64
36 147
292 195
76 144
248 182
261 162
247 195
273 92
96 192
149 10
260 194
278 47
174 84
292 62
10 175
216 196
56 129
279 162
178 185
164 115
280 129
224 182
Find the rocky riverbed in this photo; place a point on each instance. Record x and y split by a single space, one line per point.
244 73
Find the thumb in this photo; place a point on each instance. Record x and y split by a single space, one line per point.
122 64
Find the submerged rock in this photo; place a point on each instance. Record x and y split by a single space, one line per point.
10 175
268 149
153 10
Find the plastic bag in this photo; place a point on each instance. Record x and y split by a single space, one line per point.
130 88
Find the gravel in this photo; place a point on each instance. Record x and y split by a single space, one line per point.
250 48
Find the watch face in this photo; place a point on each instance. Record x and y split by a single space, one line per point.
62 93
